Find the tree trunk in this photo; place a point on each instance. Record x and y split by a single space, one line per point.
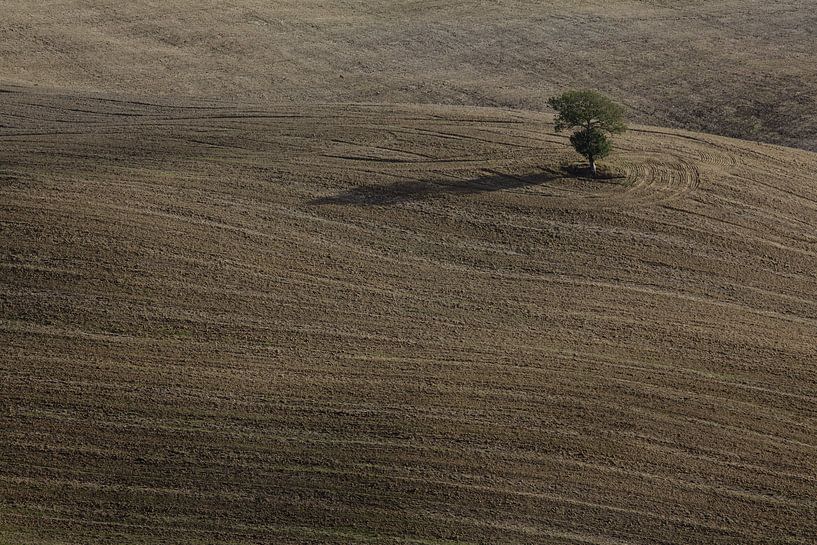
593 166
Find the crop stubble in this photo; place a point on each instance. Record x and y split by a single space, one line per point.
398 324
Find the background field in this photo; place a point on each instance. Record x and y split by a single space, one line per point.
740 68
243 312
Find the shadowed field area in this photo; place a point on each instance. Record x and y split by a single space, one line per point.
398 324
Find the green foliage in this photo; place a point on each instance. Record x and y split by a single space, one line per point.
594 116
591 143
587 110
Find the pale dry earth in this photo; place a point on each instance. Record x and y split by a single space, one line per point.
353 324
743 68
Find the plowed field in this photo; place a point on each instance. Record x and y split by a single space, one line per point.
398 324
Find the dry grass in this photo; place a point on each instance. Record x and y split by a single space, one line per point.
371 324
733 67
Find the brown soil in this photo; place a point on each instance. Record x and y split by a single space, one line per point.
382 324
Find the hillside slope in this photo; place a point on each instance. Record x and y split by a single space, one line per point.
734 67
374 324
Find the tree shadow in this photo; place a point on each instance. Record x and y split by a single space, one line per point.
417 190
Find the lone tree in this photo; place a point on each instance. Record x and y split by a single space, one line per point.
594 116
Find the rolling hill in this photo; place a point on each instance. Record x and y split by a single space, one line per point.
319 273
398 324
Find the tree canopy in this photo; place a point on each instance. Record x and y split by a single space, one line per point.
588 110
